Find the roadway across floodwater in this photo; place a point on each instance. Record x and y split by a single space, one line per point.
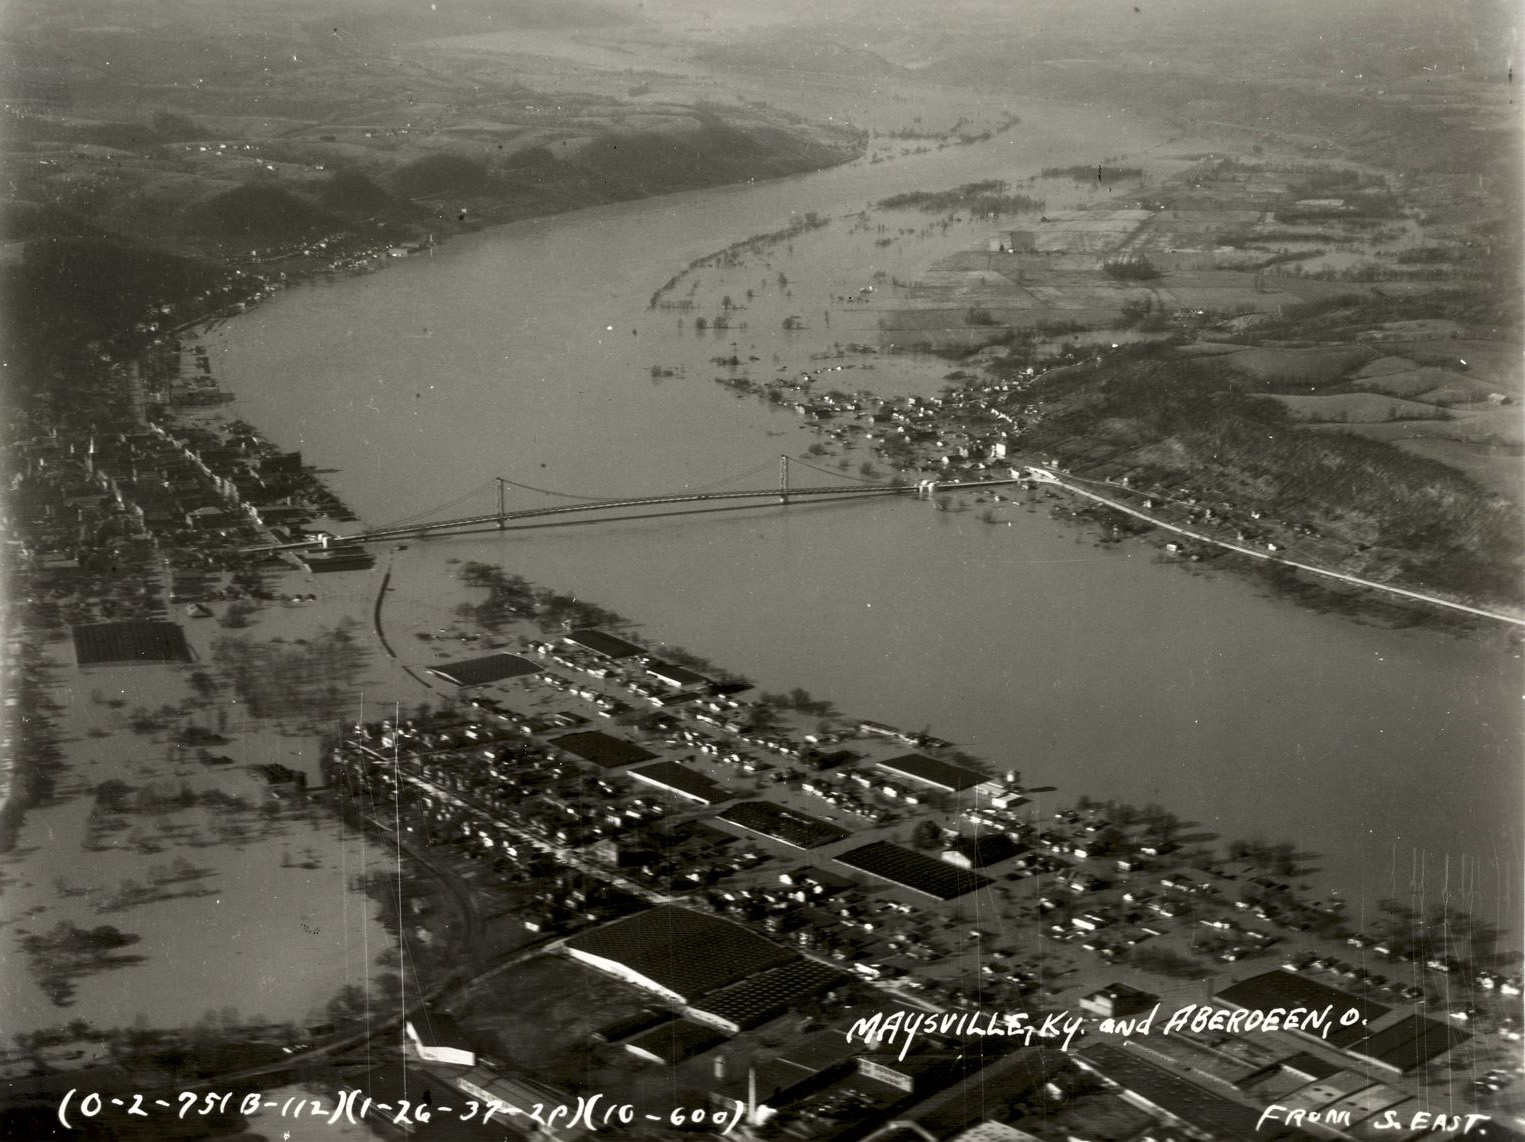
501 519
922 489
1069 483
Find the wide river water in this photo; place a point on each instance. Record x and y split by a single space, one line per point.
526 351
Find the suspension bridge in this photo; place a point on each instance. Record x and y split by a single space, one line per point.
594 510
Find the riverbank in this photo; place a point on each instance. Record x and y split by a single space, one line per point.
233 283
884 598
577 407
1267 555
605 750
1208 451
36 806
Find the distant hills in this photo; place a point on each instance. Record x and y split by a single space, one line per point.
95 285
260 213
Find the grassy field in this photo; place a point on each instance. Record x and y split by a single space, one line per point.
1356 408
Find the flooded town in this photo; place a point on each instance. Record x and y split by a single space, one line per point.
744 571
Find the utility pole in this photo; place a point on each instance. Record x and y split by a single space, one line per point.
783 479
502 510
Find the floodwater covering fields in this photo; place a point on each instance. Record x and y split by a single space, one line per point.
531 351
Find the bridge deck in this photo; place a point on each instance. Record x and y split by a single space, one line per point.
439 527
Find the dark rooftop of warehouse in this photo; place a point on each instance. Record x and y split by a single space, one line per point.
976 1086
673 1042
753 1001
674 674
1314 1067
603 750
934 772
681 779
130 642
633 1024
1208 1112
687 952
769 1082
822 1050
988 848
788 825
480 671
911 869
1410 1043
1286 989
606 644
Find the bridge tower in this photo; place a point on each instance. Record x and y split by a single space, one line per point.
502 505
783 479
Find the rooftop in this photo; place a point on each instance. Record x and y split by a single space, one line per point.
914 870
678 951
753 1001
602 749
1124 996
673 1042
130 642
633 1024
777 1081
1310 1066
607 645
788 825
676 675
988 848
480 671
933 772
683 781
1284 989
1410 1043
1202 1109
437 1029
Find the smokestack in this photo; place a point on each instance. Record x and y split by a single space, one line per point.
751 1096
719 1068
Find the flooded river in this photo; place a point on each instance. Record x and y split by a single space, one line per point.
528 351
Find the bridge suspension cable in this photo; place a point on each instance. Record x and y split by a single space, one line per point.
732 478
839 474
550 491
857 489
470 493
478 489
752 471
